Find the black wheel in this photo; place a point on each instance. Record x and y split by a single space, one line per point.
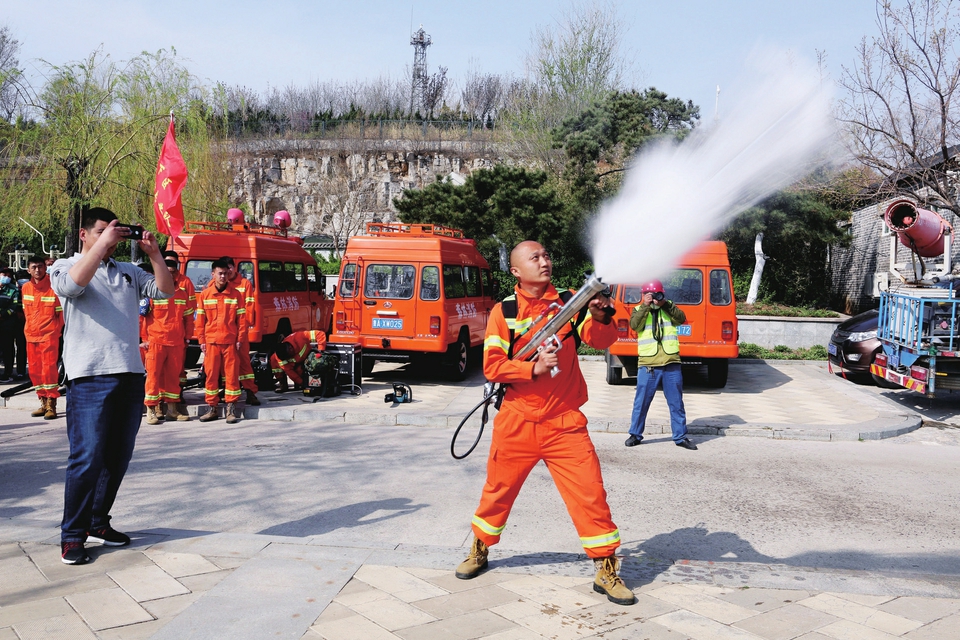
717 372
458 359
614 373
366 366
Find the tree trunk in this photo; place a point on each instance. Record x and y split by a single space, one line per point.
757 270
74 169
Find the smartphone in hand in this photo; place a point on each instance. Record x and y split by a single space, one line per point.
136 231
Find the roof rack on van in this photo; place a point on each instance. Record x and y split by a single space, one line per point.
411 229
229 227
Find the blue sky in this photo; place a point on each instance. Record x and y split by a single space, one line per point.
683 48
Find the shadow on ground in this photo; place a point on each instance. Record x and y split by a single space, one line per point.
351 515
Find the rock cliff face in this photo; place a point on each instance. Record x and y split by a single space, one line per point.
322 186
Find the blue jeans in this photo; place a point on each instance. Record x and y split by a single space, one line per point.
103 417
648 379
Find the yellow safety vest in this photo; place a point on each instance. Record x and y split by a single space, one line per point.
647 344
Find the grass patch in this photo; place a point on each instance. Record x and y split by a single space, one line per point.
782 352
774 309
586 350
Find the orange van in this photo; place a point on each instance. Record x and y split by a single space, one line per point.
288 286
413 292
702 287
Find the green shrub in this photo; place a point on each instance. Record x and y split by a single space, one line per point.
781 352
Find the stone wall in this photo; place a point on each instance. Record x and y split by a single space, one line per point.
302 178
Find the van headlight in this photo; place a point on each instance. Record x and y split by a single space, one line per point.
860 336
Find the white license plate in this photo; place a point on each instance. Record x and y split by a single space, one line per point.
831 349
684 330
394 324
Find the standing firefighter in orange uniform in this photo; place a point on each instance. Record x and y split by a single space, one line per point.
44 324
288 360
168 325
242 285
540 419
221 320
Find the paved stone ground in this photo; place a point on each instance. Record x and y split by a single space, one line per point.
351 571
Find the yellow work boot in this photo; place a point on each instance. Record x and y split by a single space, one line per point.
177 411
51 413
608 582
152 415
232 413
36 413
213 414
476 562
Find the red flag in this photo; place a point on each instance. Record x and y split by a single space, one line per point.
171 178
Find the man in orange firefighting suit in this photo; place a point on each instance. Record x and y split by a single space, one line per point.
44 325
288 360
540 419
221 320
167 325
242 285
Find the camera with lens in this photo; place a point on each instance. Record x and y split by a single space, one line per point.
658 296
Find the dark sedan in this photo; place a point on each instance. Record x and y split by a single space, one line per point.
854 343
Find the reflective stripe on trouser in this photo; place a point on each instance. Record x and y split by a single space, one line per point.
565 447
246 369
42 363
221 359
163 364
284 368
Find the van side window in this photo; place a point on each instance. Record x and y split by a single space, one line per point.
246 270
389 281
271 277
471 278
452 281
293 277
316 279
199 272
430 283
632 295
348 281
720 288
488 283
684 286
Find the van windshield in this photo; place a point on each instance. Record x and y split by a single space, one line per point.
393 281
684 286
199 272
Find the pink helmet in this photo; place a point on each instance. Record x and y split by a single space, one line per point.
235 216
653 286
281 219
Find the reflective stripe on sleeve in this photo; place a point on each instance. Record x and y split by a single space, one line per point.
496 342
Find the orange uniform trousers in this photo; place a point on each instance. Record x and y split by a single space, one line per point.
42 361
292 368
221 359
247 379
565 447
163 364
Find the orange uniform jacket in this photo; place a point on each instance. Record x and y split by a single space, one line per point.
44 315
170 321
221 318
243 286
544 397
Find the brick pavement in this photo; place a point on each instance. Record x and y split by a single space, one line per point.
181 584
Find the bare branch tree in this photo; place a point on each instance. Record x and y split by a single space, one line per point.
9 73
482 94
899 109
434 92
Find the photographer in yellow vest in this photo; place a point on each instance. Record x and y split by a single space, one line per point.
656 320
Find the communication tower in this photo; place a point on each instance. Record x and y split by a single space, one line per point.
420 41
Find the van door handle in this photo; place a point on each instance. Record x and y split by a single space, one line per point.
370 303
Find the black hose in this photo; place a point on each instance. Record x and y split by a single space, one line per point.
485 403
